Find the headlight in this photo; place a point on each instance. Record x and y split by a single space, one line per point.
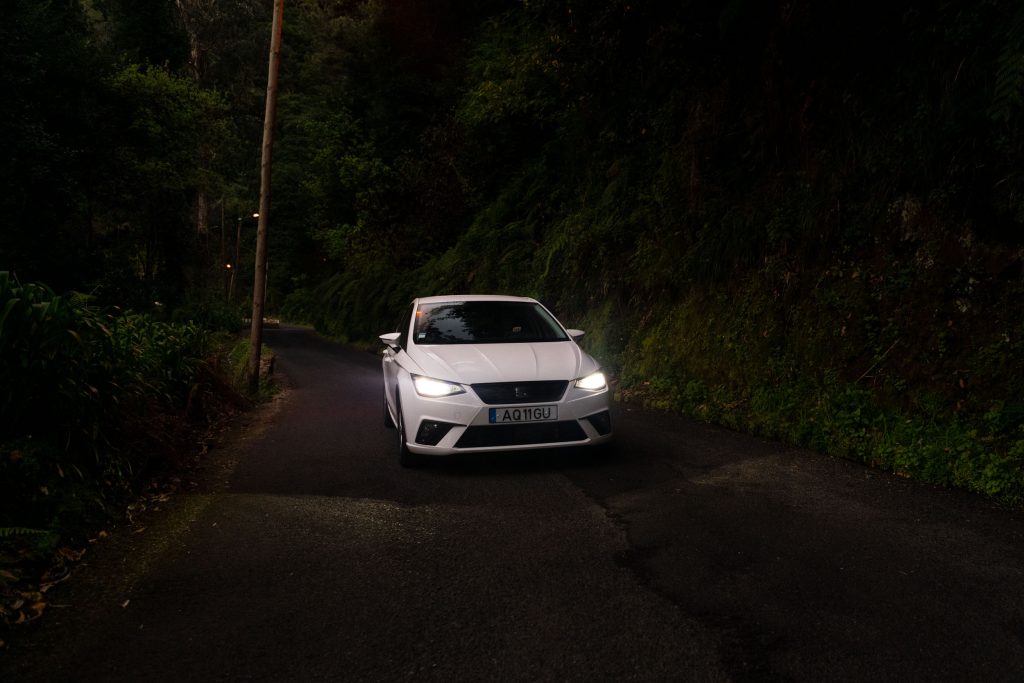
592 382
435 388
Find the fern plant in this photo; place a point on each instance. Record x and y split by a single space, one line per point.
11 531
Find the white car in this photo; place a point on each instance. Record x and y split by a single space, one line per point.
470 374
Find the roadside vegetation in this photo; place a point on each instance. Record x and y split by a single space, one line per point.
100 409
126 188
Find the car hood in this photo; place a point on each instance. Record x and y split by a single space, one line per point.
478 363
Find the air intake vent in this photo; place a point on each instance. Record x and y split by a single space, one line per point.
483 436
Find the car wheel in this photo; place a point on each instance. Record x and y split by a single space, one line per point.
388 422
406 458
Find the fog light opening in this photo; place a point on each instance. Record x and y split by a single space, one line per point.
431 432
602 422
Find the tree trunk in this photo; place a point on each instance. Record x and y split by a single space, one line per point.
203 219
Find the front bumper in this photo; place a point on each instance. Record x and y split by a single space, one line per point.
461 424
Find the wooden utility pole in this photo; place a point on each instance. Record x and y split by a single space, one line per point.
259 290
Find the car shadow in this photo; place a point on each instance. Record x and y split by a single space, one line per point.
521 462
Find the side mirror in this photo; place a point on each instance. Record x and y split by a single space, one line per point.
391 339
576 334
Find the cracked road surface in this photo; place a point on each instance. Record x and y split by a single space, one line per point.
690 554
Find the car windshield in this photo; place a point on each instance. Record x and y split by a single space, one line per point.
485 322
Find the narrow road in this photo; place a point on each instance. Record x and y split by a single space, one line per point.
693 553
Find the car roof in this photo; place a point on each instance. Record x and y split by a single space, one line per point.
452 298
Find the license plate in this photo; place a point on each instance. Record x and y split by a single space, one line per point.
531 414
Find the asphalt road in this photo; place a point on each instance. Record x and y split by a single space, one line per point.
692 553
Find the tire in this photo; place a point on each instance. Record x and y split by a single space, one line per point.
406 458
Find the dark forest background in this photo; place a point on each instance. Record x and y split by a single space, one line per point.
799 219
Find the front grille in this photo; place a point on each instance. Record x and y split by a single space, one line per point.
500 393
483 436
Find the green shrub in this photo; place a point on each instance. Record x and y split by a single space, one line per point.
80 390
212 315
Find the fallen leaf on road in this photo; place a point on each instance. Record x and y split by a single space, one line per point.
53 577
69 554
33 612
